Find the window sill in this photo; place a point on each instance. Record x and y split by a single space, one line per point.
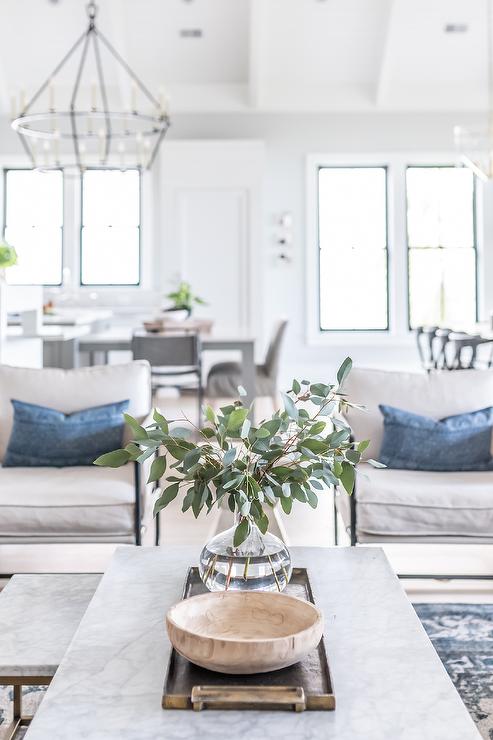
360 339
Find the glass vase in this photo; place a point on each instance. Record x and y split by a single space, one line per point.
261 563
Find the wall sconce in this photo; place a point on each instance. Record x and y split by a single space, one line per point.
284 237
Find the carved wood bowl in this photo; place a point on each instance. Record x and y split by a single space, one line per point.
244 632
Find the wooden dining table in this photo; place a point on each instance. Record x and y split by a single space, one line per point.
98 345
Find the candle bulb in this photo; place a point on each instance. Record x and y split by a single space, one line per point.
56 145
133 105
51 97
94 96
22 100
13 107
121 150
46 150
163 102
102 144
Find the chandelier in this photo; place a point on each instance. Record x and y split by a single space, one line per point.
91 128
475 144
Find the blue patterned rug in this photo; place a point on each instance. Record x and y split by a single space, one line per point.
462 635
463 638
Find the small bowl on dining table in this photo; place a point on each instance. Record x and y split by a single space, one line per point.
244 632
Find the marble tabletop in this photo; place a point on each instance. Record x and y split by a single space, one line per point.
39 615
389 682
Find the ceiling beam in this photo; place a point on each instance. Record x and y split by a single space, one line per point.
255 54
385 67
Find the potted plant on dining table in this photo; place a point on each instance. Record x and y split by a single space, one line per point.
296 455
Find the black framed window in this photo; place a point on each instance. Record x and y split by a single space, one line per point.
442 249
110 227
353 249
33 224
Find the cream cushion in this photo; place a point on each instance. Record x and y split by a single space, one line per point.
410 503
435 394
67 503
73 390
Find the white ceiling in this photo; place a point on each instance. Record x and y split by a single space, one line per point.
273 55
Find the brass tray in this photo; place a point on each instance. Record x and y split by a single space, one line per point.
305 685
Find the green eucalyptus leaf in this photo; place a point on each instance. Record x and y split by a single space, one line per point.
149 452
353 456
287 504
209 414
191 458
187 501
232 502
296 387
166 497
138 431
317 428
114 459
236 419
362 446
347 477
344 371
229 457
312 499
158 469
245 428
262 522
262 433
160 419
241 532
290 407
320 389
134 450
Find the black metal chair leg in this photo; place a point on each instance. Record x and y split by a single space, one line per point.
336 528
138 522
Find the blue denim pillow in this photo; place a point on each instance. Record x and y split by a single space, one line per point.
43 437
413 442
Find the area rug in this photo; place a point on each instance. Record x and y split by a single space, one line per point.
463 638
462 635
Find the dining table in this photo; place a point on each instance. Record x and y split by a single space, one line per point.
98 345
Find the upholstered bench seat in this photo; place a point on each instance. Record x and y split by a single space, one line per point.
67 504
73 504
409 503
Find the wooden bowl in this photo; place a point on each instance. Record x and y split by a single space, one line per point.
244 632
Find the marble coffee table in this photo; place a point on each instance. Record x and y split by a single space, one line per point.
389 682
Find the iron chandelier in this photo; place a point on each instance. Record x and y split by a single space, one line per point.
91 130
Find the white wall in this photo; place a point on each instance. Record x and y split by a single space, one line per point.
288 140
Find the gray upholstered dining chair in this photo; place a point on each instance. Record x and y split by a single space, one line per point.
225 377
175 361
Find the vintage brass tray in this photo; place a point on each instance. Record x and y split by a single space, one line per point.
305 685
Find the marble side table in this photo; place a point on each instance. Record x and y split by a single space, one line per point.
39 615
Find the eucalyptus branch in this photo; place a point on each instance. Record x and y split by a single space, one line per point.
278 460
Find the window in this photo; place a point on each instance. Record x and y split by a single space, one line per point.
441 246
34 225
110 234
352 229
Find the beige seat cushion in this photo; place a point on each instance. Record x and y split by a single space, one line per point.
73 390
436 395
410 503
67 504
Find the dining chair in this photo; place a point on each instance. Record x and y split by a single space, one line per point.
175 361
225 377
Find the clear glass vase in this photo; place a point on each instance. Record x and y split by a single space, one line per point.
261 563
